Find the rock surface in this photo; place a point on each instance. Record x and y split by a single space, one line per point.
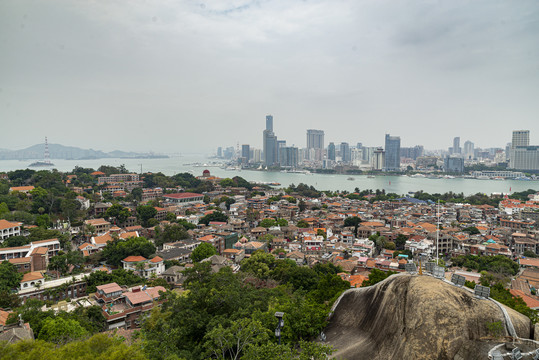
415 317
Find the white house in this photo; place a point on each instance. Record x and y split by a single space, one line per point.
147 268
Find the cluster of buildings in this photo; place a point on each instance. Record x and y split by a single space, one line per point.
387 235
275 153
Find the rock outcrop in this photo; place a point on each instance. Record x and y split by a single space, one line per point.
416 317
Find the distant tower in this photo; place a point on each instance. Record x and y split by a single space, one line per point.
456 145
269 122
392 153
331 151
47 157
345 152
315 142
520 138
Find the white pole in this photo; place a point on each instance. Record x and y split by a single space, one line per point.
437 232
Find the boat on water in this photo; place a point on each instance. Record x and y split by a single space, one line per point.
371 176
46 162
350 178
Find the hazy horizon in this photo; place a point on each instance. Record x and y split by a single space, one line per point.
190 76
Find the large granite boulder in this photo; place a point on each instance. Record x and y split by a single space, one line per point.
416 317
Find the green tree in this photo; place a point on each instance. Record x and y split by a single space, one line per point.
117 213
10 278
118 249
171 233
214 216
267 223
230 342
44 221
259 264
61 331
352 221
528 253
400 241
472 230
145 214
100 346
302 224
203 251
137 193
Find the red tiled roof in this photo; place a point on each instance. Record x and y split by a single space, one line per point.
4 224
156 259
109 288
134 259
21 260
34 275
185 195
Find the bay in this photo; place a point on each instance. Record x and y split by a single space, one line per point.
396 184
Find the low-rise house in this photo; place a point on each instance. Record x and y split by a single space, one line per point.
8 229
234 255
125 310
296 256
33 285
101 225
174 276
145 267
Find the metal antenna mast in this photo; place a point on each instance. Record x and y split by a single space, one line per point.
47 156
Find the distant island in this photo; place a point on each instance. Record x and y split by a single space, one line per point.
58 151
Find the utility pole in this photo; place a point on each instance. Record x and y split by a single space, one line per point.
437 231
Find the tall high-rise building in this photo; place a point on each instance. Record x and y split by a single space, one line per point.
520 138
378 159
246 152
345 152
356 156
288 156
315 139
468 149
271 151
412 152
392 153
456 145
454 164
269 122
331 151
270 146
523 156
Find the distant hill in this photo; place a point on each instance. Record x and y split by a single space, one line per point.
58 151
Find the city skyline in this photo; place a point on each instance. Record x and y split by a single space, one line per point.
102 75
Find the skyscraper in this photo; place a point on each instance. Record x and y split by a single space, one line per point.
270 147
246 152
456 145
331 151
392 153
288 156
315 141
523 155
269 122
468 149
345 152
378 159
520 138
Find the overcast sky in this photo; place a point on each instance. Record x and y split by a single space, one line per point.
188 76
